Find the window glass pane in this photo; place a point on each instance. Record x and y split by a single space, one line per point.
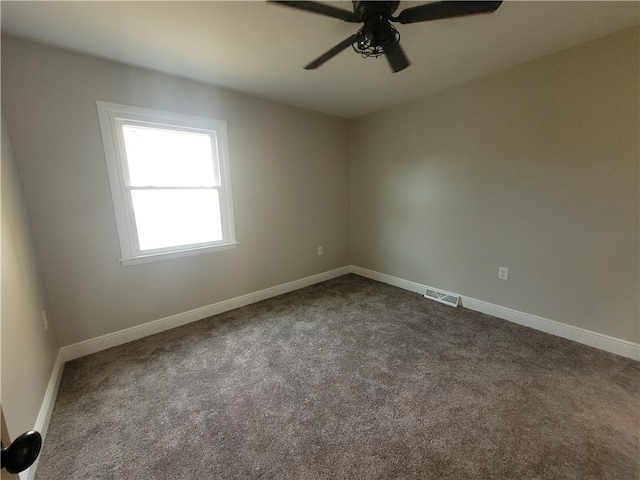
166 218
163 158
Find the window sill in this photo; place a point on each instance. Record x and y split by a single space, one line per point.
157 257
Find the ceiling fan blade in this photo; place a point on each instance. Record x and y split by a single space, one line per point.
321 8
331 53
446 9
397 59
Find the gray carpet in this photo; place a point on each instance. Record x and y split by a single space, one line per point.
349 378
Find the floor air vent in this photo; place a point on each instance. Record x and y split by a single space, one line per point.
442 297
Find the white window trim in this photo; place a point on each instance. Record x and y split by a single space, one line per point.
110 114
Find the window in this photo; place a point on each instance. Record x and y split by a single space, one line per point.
170 182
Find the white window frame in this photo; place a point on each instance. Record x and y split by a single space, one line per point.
112 116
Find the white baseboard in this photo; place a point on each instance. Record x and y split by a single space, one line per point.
94 345
577 334
570 332
103 342
46 409
80 349
389 279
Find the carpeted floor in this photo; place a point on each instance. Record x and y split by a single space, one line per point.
349 378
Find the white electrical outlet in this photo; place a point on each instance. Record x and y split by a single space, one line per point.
503 273
320 251
44 320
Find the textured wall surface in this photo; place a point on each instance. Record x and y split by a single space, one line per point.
28 350
534 168
290 173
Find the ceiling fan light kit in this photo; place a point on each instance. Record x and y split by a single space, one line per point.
375 42
378 36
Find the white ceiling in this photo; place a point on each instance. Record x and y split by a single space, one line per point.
260 49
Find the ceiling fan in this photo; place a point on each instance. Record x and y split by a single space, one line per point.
378 36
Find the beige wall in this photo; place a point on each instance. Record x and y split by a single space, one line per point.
534 168
291 184
28 351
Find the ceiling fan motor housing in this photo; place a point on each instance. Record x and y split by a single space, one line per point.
378 36
368 9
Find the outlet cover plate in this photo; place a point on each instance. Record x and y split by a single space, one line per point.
503 273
